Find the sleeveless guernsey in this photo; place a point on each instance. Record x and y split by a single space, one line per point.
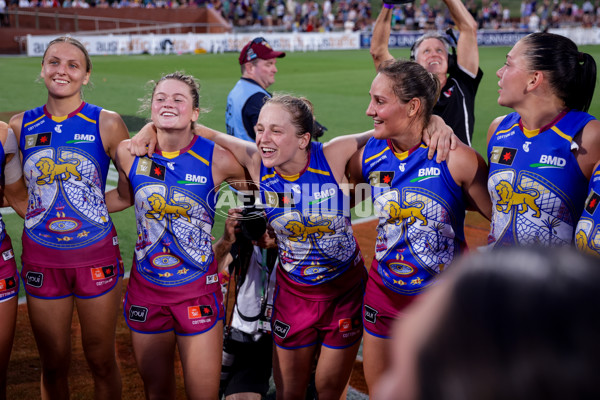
421 215
174 208
535 183
65 166
309 214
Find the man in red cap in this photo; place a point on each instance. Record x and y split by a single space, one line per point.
257 60
247 349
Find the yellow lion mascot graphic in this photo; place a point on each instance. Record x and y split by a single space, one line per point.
511 198
51 170
300 231
160 208
411 212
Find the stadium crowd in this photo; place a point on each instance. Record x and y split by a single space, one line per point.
353 15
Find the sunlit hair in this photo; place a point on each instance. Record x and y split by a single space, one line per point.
74 42
429 35
189 80
411 80
301 111
571 73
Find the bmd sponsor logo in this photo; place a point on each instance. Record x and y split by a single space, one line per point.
547 161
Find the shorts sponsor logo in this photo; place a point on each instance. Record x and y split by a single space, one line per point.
199 312
138 314
115 241
8 254
210 279
103 272
345 324
370 314
35 279
7 284
281 329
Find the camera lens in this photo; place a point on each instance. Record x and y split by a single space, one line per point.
254 223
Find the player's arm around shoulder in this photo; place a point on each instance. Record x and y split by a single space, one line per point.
122 196
470 172
245 152
338 151
588 152
112 131
227 168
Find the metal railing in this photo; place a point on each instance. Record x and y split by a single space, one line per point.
141 26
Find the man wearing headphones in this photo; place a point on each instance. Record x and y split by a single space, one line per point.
457 69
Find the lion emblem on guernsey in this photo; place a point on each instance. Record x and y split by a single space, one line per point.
581 241
411 212
300 231
511 198
160 208
51 170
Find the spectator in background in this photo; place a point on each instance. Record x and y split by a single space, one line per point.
258 63
516 324
4 21
459 74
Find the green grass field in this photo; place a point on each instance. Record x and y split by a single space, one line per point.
337 82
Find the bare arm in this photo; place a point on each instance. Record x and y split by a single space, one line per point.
17 196
339 150
113 131
14 188
440 138
381 36
122 196
222 247
245 152
470 172
588 152
493 127
467 52
226 168
354 175
144 142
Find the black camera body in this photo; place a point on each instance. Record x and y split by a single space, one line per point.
254 222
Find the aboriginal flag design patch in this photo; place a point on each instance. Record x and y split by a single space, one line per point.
279 200
7 284
199 311
381 178
150 168
103 272
38 139
592 202
503 155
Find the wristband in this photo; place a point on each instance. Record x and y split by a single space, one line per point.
386 5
